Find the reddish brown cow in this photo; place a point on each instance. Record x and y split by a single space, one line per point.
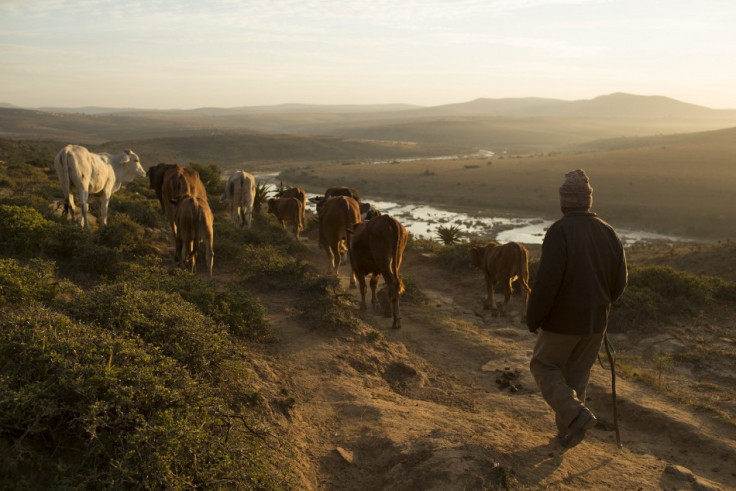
295 192
338 215
194 222
377 247
287 210
505 263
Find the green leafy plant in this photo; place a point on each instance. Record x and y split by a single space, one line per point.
450 235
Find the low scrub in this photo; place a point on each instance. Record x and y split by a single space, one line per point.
662 294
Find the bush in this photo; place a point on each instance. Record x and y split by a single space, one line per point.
450 235
660 294
24 231
162 319
125 414
27 283
238 311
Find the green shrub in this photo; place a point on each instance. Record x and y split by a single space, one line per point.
162 319
660 294
125 414
24 231
450 235
237 310
144 210
26 283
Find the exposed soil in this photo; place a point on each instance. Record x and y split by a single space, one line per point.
447 402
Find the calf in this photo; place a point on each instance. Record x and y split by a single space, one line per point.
287 210
505 263
194 222
240 192
337 216
295 192
377 247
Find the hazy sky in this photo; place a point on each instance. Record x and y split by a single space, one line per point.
226 53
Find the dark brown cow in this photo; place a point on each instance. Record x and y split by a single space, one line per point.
377 247
332 192
342 191
194 222
288 210
338 215
156 178
505 263
295 192
368 211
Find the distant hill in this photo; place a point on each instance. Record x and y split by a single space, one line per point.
513 125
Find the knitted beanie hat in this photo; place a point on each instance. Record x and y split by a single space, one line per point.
576 191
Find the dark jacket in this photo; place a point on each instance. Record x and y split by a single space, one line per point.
581 272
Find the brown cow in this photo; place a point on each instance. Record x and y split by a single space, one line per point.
505 263
172 181
287 210
338 215
295 192
194 222
377 247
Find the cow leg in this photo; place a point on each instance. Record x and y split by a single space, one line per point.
333 261
69 206
180 252
363 288
249 215
84 198
507 295
104 201
492 296
393 293
209 255
374 285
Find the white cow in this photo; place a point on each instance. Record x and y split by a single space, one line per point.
99 174
240 192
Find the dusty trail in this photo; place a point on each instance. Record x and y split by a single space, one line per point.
421 407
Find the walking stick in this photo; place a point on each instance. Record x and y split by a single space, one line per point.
612 363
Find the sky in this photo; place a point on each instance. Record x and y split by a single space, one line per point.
184 54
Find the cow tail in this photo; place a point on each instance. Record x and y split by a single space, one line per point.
524 268
397 258
63 164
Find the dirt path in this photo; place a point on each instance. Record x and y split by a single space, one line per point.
432 406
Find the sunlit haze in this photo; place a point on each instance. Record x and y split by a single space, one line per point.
226 53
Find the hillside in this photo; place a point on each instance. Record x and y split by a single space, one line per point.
127 372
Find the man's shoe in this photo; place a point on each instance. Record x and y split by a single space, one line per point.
576 431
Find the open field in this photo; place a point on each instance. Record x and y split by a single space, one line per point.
677 185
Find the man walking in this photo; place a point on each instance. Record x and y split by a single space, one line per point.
582 271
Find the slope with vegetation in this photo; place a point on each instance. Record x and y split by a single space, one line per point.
118 370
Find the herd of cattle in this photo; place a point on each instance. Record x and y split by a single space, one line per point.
374 242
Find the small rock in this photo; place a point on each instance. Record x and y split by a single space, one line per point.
346 455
